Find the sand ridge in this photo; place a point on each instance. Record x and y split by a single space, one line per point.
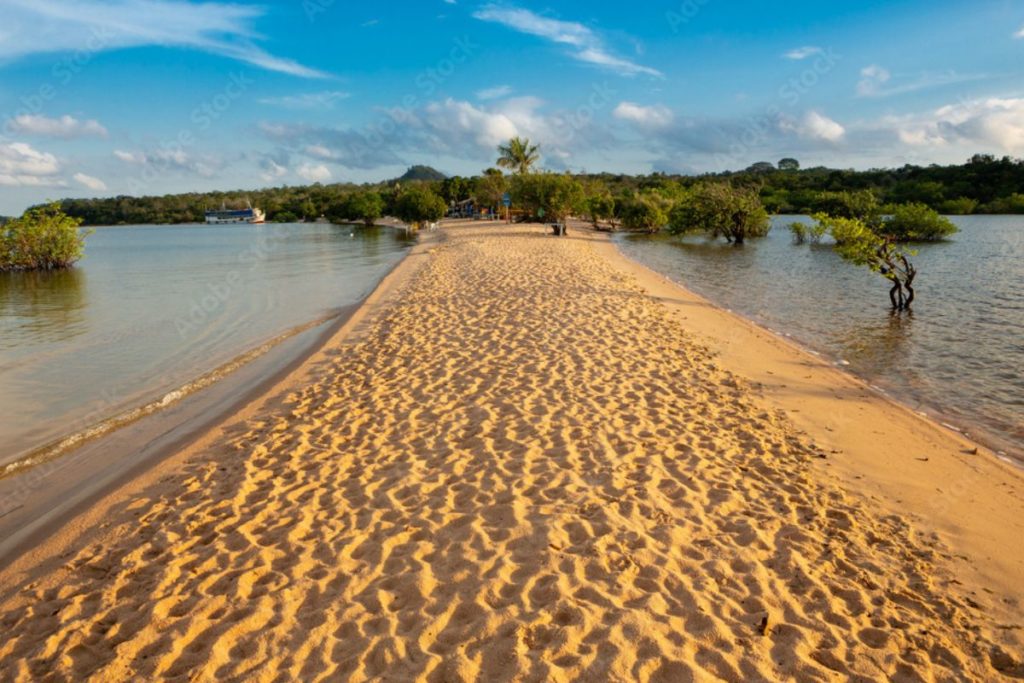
524 469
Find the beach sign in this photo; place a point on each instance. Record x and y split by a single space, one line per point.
506 199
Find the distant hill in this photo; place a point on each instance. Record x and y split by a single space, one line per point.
420 172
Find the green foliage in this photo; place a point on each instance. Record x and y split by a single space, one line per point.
1013 204
789 164
721 210
860 204
43 238
490 188
599 205
518 155
644 213
916 223
961 206
803 232
859 243
418 205
362 205
558 194
420 172
456 189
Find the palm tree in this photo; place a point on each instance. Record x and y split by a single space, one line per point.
518 155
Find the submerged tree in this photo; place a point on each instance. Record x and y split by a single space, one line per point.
858 243
518 155
363 205
43 238
721 210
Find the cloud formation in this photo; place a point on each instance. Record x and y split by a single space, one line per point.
314 173
996 123
66 126
494 93
21 165
90 182
587 46
222 28
815 126
314 100
803 52
648 118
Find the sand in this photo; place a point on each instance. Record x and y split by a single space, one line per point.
531 460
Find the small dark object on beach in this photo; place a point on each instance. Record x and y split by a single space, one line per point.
972 451
762 628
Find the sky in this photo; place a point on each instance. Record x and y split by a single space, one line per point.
144 97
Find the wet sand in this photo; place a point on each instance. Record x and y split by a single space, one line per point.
529 459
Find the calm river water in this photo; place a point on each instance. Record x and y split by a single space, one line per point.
151 308
960 356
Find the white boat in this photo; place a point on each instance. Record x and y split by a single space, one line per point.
226 215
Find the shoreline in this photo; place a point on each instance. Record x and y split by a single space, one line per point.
1000 447
783 381
678 459
37 498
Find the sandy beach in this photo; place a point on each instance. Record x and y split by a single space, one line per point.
527 458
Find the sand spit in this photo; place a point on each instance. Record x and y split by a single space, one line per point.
522 467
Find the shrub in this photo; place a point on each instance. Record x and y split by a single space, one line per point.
644 213
43 238
916 223
363 205
418 205
553 196
962 206
721 210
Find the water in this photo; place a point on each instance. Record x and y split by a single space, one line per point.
960 356
151 308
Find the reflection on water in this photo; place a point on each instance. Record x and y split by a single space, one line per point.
152 307
41 306
961 352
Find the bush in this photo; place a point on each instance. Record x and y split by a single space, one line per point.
962 206
644 213
807 233
916 223
552 196
417 205
44 238
721 211
598 207
364 205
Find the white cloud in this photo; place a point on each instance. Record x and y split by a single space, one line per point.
453 119
312 100
877 81
23 165
815 126
997 123
588 46
170 160
1020 33
90 182
872 79
89 26
64 127
803 52
652 117
314 173
494 93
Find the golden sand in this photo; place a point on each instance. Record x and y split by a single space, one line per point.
522 467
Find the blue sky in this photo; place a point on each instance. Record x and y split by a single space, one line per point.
160 96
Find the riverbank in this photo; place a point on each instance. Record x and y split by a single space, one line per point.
527 457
